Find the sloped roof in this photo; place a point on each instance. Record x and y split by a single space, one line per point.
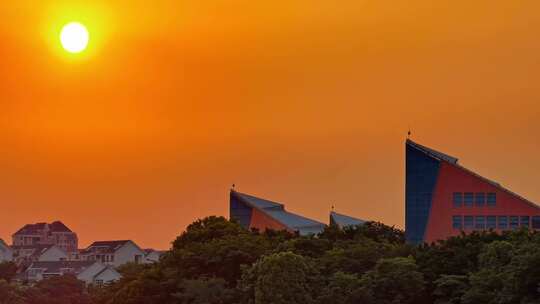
35 229
56 266
454 162
38 249
58 226
433 153
109 246
342 220
277 211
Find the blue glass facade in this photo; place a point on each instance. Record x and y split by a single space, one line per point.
239 211
420 178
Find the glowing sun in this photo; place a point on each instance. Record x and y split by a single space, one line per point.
74 37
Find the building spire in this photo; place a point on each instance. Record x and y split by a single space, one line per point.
409 133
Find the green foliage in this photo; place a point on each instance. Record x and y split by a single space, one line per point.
215 261
58 290
8 270
280 278
395 280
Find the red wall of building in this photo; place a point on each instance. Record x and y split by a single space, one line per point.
455 179
261 221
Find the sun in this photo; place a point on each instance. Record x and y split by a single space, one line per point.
74 37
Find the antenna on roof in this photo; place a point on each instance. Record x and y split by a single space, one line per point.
409 133
333 207
233 185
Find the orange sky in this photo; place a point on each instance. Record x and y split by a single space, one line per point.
304 102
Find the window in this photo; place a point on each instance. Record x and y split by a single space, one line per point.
491 222
480 199
468 222
491 199
536 222
457 198
525 221
456 222
514 222
468 199
503 222
480 222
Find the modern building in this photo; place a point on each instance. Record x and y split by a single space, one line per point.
6 253
342 220
256 213
443 198
55 233
114 253
90 272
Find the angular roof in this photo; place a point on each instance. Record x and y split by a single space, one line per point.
433 153
342 220
295 222
454 162
36 229
54 267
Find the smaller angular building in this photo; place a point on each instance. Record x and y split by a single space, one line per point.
342 221
256 213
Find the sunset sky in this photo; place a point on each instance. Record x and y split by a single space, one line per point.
303 102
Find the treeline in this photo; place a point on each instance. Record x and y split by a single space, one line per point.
215 261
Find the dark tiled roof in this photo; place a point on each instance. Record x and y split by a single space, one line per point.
110 246
56 266
58 226
277 211
35 229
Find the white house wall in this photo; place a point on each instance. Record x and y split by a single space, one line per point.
107 276
6 254
127 253
88 274
53 254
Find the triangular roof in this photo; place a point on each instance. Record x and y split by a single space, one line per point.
277 211
454 162
342 220
433 153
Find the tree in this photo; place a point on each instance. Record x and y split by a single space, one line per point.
64 289
8 270
344 288
10 293
281 278
450 288
395 280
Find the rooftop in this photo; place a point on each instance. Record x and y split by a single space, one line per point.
277 211
342 220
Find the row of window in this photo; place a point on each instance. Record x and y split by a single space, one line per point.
494 222
479 199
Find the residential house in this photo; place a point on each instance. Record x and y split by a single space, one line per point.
55 233
27 254
114 253
90 272
152 256
6 253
